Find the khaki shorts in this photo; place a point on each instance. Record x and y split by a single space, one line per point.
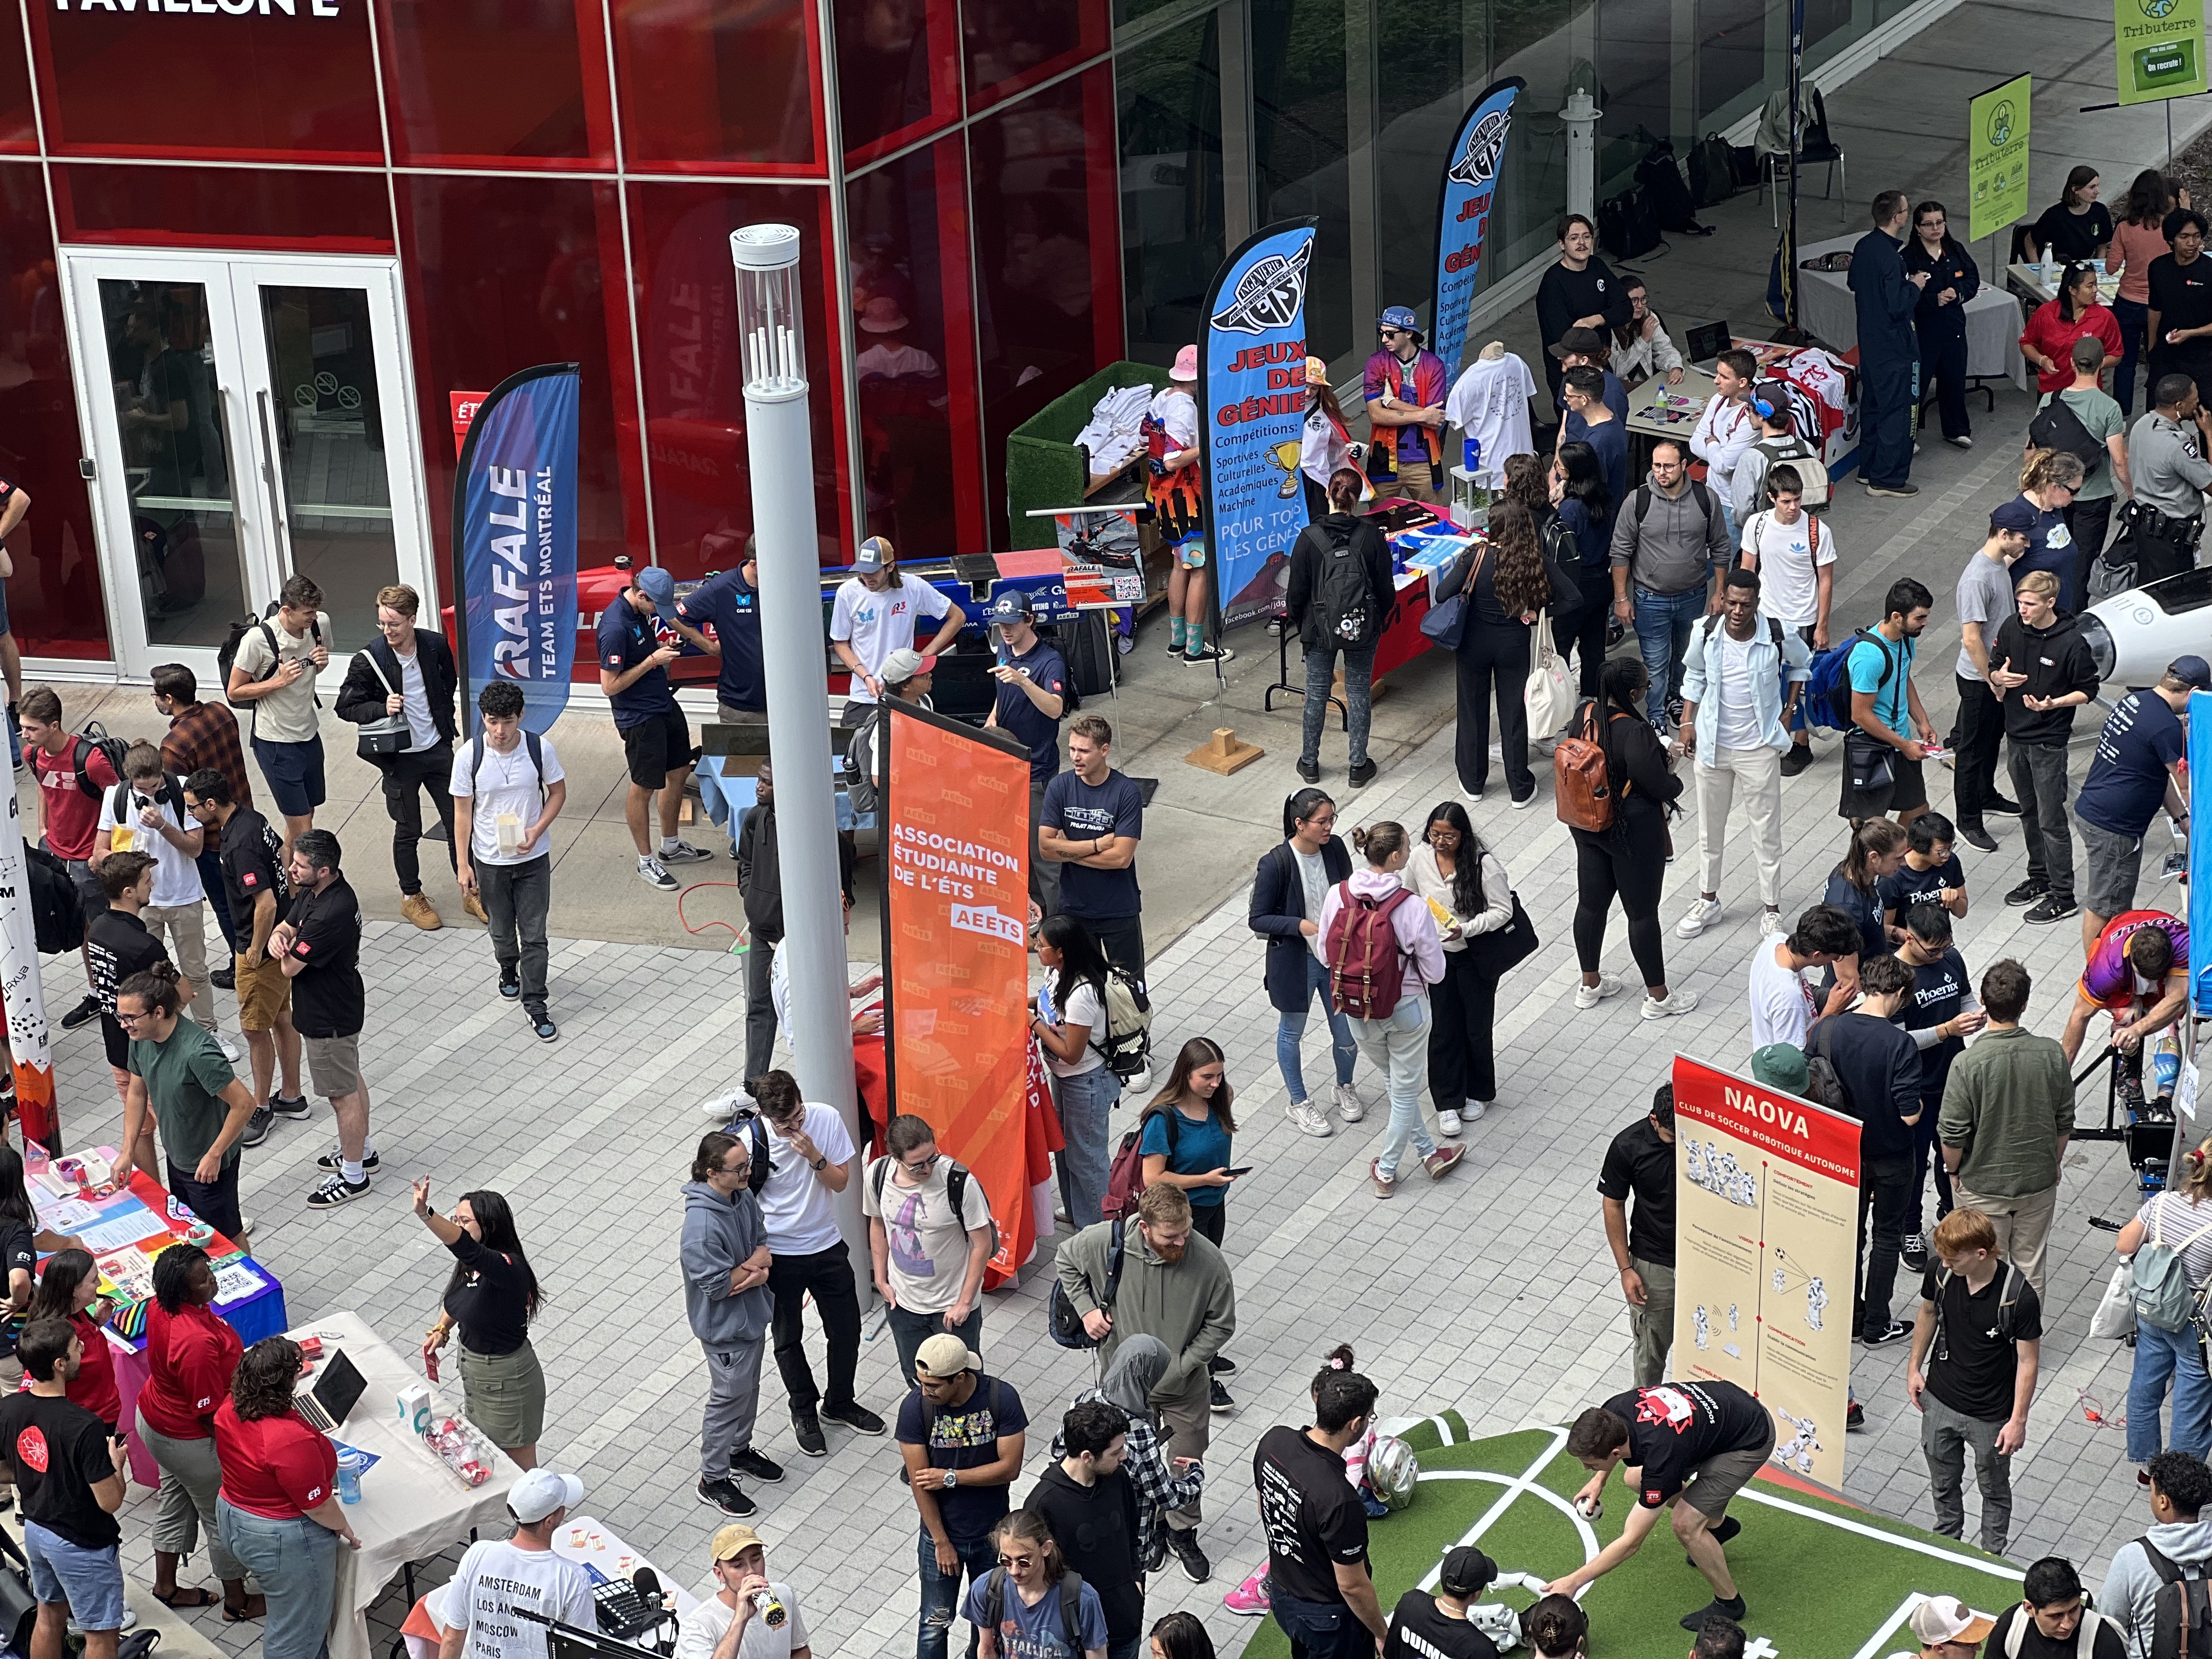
264 992
1719 1479
333 1065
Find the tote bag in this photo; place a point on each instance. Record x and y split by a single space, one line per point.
1549 698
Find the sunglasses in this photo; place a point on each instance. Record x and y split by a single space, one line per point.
1017 1560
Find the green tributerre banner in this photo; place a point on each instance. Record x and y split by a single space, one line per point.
2161 49
1996 150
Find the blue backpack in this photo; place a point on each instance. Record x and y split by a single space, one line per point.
1829 693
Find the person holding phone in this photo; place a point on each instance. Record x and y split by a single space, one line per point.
1184 1138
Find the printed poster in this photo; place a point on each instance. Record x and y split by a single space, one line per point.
1470 187
1765 1249
2161 44
1996 153
1102 554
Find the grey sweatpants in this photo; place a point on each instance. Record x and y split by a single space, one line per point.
190 1477
732 1403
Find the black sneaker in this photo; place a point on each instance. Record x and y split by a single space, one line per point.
1896 1331
1799 758
727 1496
510 986
1221 1365
1904 492
295 1106
542 1023
855 1417
334 1190
257 1127
224 978
1218 1397
1717 1609
807 1428
2053 909
1363 774
83 1014
1309 770
749 1463
1977 838
2028 891
1674 711
1914 1252
1183 1540
330 1161
1855 1418
2002 806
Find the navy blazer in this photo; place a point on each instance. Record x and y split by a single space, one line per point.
1278 905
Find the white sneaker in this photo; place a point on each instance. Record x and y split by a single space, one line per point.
229 1049
1588 996
1447 1123
1676 1002
1310 1122
1474 1110
1349 1106
1769 923
1703 914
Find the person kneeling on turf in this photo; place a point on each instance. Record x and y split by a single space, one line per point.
1696 1441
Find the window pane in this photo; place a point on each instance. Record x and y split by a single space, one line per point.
290 211
1172 236
491 80
1299 126
1731 54
1013 44
720 80
18 131
898 72
1437 52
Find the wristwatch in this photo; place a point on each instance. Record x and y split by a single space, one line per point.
818 1163
951 1479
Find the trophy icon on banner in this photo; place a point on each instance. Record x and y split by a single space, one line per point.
1285 456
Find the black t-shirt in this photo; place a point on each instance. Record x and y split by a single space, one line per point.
491 1305
252 864
2034 1644
2182 296
116 946
328 1000
1904 886
1312 1517
1639 1161
58 1452
1976 1378
965 1437
2063 233
1676 1426
1418 1630
1096 1526
1938 992
18 1249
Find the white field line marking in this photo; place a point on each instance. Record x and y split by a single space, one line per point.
1881 1637
1515 1487
1995 1569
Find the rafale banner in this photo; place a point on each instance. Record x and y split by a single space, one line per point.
1463 221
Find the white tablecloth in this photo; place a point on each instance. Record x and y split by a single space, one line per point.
592 1543
411 1506
1827 310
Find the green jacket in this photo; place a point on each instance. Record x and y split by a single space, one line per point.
2009 1100
1190 1304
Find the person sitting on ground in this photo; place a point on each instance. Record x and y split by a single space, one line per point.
1556 1627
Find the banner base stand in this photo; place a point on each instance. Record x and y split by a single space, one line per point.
1224 753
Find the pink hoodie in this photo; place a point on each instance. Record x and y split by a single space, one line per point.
1416 928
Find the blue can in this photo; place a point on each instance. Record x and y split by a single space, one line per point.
1472 453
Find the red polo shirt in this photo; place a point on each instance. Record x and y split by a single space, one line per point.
192 1352
277 1467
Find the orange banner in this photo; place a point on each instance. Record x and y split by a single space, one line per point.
955 843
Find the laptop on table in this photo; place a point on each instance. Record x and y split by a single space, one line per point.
335 1394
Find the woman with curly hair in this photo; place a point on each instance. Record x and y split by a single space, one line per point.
1508 579
192 1353
1528 481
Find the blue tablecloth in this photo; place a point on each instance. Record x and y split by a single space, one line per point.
728 797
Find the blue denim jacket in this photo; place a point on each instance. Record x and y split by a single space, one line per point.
1701 668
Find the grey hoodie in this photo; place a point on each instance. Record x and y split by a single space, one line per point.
1674 549
2130 1596
719 1233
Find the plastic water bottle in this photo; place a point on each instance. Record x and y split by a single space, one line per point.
350 1463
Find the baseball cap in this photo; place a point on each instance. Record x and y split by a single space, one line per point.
1943 1619
1186 365
904 664
1466 1571
733 1541
1770 398
1011 605
1399 317
540 1492
657 585
1317 372
2016 514
945 1355
2193 672
1579 342
872 554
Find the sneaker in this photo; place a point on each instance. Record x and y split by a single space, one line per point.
1977 838
1676 1002
1855 1418
2053 909
1310 1122
1448 1122
1250 1597
1183 1540
749 1463
1221 1365
1218 1397
1961 443
224 978
1521 803
855 1417
1207 654
334 1190
1896 1331
1588 996
1349 1106
1901 491
472 906
1674 711
542 1025
1702 914
229 1049
684 853
330 1161
1771 923
2028 891
257 1127
295 1108
1717 1609
1472 797
83 1014
1443 1161
510 984
1363 774
650 872
1472 1111
1797 760
727 1496
807 1428
2002 806
419 911
1914 1252
1385 1186
1309 770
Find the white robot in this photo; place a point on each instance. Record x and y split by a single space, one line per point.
2134 635
1797 1452
1816 1300
1734 1324
1704 1326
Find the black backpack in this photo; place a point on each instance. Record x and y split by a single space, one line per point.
57 913
1627 228
227 654
536 747
1061 1322
1824 1084
94 736
1340 596
955 1192
2181 1617
1660 177
1070 1603
2056 426
1712 171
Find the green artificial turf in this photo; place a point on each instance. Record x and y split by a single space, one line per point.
1817 1585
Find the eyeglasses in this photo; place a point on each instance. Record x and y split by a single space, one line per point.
921 1171
121 1018
1017 1560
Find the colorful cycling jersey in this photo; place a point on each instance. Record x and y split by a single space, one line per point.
1170 425
2109 980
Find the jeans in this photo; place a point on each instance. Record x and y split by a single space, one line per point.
1493 657
1399 1048
910 1329
88 1582
297 1562
516 897
940 1592
1943 361
2038 779
407 776
760 1008
1585 630
1290 1029
1885 1194
1653 1324
827 1276
2160 1355
1760 769
1977 735
1319 1629
2134 317
1461 1066
1664 621
1945 1434
1358 698
190 1477
1924 1152
733 1402
1083 1102
1630 865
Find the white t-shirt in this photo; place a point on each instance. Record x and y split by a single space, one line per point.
1489 403
1322 449
926 1246
1314 875
1084 1007
1789 582
1781 1006
1176 410
794 1204
287 716
176 876
700 1630
877 624
510 785
415 702
496 1578
1739 721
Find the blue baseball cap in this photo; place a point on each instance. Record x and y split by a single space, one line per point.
1011 605
1399 317
2193 672
872 554
657 585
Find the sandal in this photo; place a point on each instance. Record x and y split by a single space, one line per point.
176 1600
246 1612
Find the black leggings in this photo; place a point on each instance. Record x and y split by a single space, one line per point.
1586 628
1630 867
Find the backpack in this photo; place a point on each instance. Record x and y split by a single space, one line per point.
2056 426
94 736
1127 1049
1704 497
171 794
2157 1282
57 913
1798 453
2008 1301
1627 227
1125 1180
2181 1615
1660 178
1061 1322
1824 1084
955 1192
1829 691
1712 171
1341 595
1581 777
2085 1633
537 748
1366 965
1758 519
227 654
1070 1603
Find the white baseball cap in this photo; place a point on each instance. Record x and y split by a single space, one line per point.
541 1492
1943 1619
